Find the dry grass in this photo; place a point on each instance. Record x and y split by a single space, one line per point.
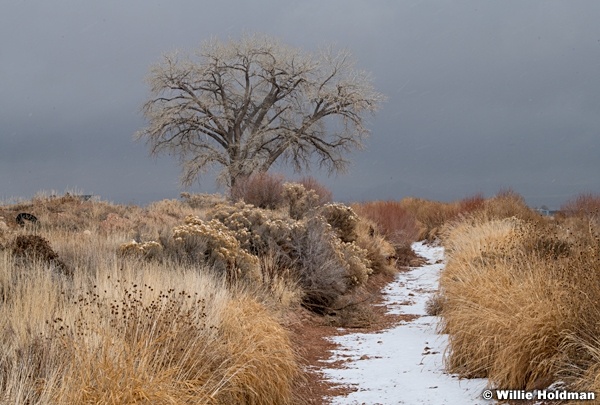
583 205
392 221
521 301
139 333
433 216
382 254
144 315
507 204
124 330
430 215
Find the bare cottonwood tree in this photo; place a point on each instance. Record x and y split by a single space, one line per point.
247 104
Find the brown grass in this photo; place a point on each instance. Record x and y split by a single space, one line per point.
392 220
263 190
430 215
140 319
382 254
124 330
585 205
520 301
140 334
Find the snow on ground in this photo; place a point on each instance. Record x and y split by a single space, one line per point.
403 365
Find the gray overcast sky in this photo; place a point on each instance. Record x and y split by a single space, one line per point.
482 95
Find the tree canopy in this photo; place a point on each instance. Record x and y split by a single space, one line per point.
245 105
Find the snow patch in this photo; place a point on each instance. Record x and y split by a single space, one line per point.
403 365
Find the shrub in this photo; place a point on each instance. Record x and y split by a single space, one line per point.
357 263
168 208
300 200
382 255
202 200
429 215
322 273
145 250
310 183
212 243
469 205
326 263
35 247
584 205
434 305
507 204
258 230
343 220
392 220
115 223
262 190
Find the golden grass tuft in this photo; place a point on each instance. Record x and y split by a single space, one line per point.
129 331
264 365
430 215
520 302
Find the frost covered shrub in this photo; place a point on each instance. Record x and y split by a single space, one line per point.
300 200
321 272
146 250
212 242
357 263
259 231
325 258
262 190
343 220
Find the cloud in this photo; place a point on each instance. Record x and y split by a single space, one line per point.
482 95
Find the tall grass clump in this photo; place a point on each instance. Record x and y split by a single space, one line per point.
429 215
506 204
520 300
139 333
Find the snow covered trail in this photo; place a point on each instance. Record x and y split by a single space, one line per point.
403 365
